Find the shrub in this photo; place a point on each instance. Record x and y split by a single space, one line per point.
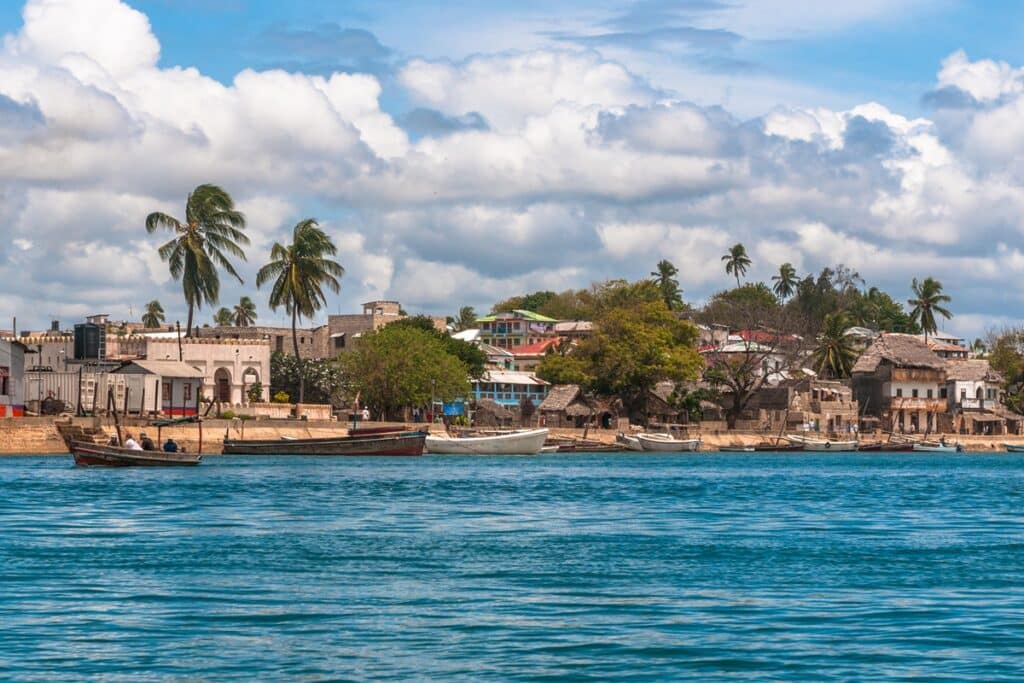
282 397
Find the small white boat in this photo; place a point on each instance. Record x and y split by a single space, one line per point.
736 449
525 442
821 445
631 443
929 447
1014 447
549 449
666 443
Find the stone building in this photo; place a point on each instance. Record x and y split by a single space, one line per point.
313 341
900 381
229 367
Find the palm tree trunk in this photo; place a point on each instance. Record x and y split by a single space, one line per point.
298 358
737 280
188 325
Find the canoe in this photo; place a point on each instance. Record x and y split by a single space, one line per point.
387 443
525 442
93 455
1014 447
665 443
630 443
821 445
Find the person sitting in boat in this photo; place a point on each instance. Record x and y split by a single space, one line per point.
170 446
113 440
146 442
131 444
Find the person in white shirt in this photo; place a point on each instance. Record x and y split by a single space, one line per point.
366 414
131 443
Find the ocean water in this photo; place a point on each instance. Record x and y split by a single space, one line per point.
574 567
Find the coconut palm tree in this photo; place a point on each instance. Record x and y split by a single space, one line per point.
785 282
300 271
244 313
927 301
223 317
835 354
212 230
665 278
736 261
154 315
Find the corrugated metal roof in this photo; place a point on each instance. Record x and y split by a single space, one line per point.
166 368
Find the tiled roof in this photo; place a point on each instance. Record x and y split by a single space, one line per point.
538 349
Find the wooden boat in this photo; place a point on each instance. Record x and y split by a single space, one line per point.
93 455
524 442
779 447
1014 447
630 443
883 447
821 445
666 443
385 443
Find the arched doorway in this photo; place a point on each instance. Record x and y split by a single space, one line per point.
250 377
222 385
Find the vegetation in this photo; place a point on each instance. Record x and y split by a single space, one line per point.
255 392
300 271
785 281
736 261
928 300
400 366
466 320
154 315
470 354
665 278
223 317
1005 353
212 230
320 377
244 313
835 354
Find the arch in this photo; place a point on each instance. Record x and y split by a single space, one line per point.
222 385
979 394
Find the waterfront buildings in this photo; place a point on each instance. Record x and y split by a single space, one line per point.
12 378
509 387
510 329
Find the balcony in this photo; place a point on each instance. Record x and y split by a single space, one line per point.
925 404
976 404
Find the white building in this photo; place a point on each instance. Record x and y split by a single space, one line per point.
229 367
157 386
972 385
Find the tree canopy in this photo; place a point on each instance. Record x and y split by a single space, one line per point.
470 354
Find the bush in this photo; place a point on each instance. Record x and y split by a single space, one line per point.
282 397
255 393
228 415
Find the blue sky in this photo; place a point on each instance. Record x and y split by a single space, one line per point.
460 152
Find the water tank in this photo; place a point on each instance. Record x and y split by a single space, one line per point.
90 341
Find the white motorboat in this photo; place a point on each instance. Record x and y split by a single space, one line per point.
524 442
1014 447
666 443
631 443
940 447
821 445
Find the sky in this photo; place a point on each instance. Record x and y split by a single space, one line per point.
462 152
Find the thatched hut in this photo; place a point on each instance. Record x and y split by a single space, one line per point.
567 407
489 413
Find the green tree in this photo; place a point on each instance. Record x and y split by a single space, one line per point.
736 261
1005 353
528 302
665 278
154 315
212 230
320 377
730 306
470 354
400 366
300 271
928 300
835 354
877 310
466 319
244 314
565 369
223 317
785 281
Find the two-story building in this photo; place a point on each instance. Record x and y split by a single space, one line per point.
902 382
508 387
509 329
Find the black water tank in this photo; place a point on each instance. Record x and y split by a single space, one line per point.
90 341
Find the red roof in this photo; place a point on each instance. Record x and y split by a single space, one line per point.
538 349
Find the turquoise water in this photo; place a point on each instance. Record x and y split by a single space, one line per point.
617 567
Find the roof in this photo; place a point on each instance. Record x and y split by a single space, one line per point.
494 350
943 346
575 326
467 335
901 350
518 313
975 370
166 368
538 349
512 377
489 405
560 397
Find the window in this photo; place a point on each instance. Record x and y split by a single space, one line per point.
302 340
279 343
913 393
5 381
899 393
929 393
963 394
187 391
943 393
167 392
339 342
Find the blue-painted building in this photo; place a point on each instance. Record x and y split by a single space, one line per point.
508 387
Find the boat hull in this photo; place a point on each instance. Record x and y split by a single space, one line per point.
384 444
667 445
919 448
89 455
630 443
519 443
1014 447
822 445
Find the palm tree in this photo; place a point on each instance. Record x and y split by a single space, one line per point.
785 281
299 271
736 261
154 315
664 277
835 353
223 317
244 313
212 230
927 301
466 319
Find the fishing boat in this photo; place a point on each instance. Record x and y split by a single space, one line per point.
822 445
937 447
883 447
383 443
1014 447
523 442
777 447
666 443
94 455
630 443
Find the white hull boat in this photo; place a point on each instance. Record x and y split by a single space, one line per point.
821 445
1014 447
631 443
937 448
526 442
666 443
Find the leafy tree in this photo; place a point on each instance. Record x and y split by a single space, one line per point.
154 315
300 271
244 314
1006 356
928 300
212 230
566 369
877 310
785 281
665 278
835 354
529 302
255 392
321 378
466 319
470 354
223 317
400 366
733 306
736 261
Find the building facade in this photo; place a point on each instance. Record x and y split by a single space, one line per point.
510 329
12 379
903 383
228 367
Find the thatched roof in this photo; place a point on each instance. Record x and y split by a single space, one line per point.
663 390
901 350
579 409
489 405
560 397
975 370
